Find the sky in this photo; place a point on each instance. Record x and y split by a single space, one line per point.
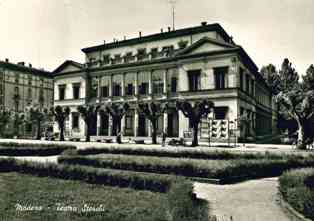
48 32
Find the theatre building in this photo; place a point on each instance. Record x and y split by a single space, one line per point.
192 64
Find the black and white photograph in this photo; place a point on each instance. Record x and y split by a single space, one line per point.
156 110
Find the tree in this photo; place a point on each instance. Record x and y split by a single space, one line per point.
295 99
152 112
195 113
38 116
117 111
89 114
5 117
270 74
60 115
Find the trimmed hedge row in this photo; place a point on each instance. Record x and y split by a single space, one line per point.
182 153
295 187
152 182
179 191
218 169
30 149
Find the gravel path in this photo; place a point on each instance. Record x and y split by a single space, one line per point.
254 200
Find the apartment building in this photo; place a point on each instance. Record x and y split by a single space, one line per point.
192 64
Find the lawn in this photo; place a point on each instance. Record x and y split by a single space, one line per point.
115 203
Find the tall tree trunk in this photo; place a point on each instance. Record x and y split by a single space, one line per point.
195 134
118 130
154 131
301 135
38 130
88 133
62 133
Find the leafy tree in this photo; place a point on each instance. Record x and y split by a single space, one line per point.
195 113
152 112
5 117
89 114
270 74
295 99
60 114
19 121
38 116
117 111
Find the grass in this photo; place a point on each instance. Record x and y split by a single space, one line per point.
178 203
30 149
218 169
118 204
297 189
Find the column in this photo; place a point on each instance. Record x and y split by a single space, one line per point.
183 124
136 84
165 81
98 88
110 126
123 85
123 125
98 123
135 123
149 128
110 85
150 83
165 129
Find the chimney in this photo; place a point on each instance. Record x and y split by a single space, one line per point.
7 60
30 65
21 63
104 42
124 38
161 30
204 23
169 29
140 34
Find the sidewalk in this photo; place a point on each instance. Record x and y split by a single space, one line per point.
254 200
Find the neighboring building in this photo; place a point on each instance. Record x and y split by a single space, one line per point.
23 86
191 63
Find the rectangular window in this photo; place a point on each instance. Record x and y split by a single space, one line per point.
128 121
241 79
128 57
104 91
61 92
143 88
116 90
247 81
173 84
94 87
129 89
106 59
75 121
76 90
141 54
220 77
154 52
194 80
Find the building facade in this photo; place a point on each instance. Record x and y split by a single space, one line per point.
190 64
22 86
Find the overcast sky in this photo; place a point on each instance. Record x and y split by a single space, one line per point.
47 32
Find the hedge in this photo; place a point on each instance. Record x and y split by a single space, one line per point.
183 153
296 188
178 190
30 149
216 169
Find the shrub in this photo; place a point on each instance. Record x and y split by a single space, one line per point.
218 169
294 189
30 149
184 153
152 182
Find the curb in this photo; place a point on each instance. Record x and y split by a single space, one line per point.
290 211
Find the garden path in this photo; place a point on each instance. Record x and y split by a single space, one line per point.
254 200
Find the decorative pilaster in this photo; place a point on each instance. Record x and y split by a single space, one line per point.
98 124
150 83
136 84
165 81
135 123
110 126
123 85
110 85
165 117
123 125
